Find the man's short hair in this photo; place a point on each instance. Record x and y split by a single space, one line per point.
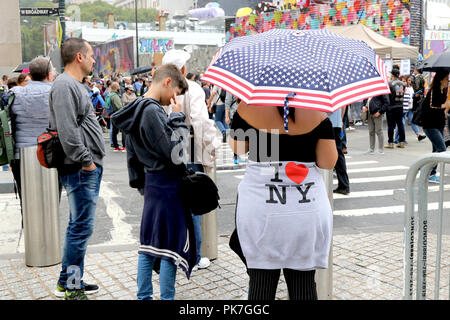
115 86
171 71
71 47
40 67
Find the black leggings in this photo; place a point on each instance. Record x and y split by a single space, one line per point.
263 284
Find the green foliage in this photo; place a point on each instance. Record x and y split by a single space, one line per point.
99 10
32 28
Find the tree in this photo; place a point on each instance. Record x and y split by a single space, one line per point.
32 28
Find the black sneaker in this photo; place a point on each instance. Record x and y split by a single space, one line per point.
341 191
420 137
60 291
77 294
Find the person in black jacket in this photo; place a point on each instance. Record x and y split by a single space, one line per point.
155 152
376 106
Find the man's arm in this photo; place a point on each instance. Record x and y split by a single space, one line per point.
64 103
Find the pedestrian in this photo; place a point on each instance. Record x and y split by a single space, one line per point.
376 108
117 104
218 105
283 215
30 113
433 108
394 113
341 166
206 88
5 79
154 168
231 104
418 84
203 142
72 115
190 76
138 85
128 96
408 101
23 79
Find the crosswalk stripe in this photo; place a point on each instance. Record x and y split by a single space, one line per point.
385 210
375 179
377 169
379 193
357 163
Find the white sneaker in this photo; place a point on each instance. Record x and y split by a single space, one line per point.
204 263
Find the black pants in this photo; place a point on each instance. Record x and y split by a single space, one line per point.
395 118
115 132
341 166
263 284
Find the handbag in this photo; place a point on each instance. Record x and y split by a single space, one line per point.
417 118
50 152
199 192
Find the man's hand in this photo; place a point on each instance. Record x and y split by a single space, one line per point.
92 167
227 119
376 115
176 106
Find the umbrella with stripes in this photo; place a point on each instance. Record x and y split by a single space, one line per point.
312 69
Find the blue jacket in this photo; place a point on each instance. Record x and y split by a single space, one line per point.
31 110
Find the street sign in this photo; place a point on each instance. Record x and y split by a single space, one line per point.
39 12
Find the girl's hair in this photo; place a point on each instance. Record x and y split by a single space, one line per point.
438 77
21 78
436 83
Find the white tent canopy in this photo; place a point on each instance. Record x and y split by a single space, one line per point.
384 47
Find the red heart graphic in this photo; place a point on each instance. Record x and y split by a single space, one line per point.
296 172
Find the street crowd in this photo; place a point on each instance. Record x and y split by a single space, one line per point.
168 121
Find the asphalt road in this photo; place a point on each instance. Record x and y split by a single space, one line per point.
370 207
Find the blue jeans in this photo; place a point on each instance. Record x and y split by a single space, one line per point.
437 140
167 276
409 115
220 118
196 219
82 190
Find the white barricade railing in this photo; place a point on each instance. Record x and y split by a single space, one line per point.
424 165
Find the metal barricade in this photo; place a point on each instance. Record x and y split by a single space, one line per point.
424 165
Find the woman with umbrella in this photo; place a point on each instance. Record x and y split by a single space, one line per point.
286 79
433 108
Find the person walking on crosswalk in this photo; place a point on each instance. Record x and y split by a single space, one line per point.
340 167
376 107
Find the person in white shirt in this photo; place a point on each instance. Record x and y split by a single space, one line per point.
205 141
408 108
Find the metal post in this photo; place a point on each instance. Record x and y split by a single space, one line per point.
324 277
422 195
40 203
439 235
137 34
209 226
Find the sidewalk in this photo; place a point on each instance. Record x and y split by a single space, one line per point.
365 267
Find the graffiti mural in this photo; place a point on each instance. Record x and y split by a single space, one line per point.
436 41
391 18
155 45
114 57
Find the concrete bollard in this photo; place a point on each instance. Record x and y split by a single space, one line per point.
209 226
324 277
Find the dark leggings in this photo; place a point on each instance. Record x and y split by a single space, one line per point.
263 284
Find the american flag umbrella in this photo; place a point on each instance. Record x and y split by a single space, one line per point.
312 69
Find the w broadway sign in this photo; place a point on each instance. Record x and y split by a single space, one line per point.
39 11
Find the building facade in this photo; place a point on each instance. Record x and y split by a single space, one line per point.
10 41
